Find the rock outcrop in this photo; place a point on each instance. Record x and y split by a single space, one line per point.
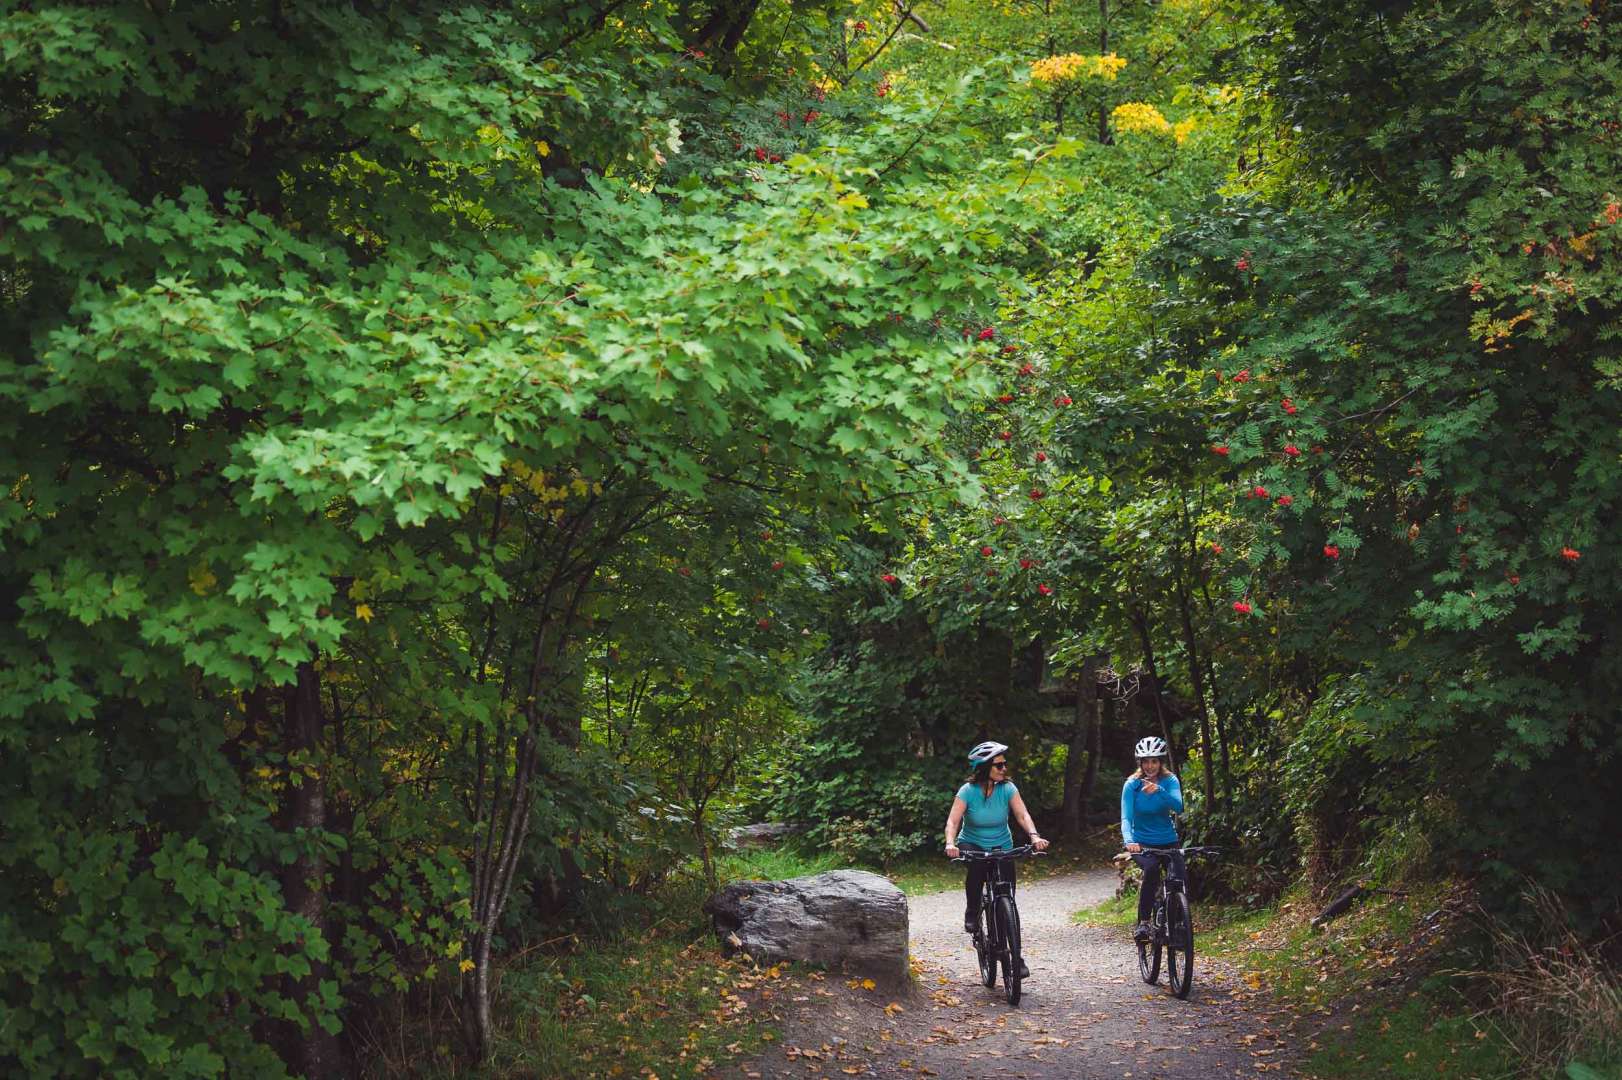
848 920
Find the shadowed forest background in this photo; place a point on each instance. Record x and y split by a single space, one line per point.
458 461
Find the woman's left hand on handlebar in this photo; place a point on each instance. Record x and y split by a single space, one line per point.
1039 844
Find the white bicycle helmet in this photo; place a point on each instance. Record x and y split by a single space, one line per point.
1150 746
985 752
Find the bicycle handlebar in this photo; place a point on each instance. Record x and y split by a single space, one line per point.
1196 852
1012 853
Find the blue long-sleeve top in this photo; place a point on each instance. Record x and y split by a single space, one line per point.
1146 819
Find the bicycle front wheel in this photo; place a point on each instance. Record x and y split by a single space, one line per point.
1008 923
984 944
1149 953
1179 945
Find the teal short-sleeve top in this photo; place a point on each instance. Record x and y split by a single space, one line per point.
985 822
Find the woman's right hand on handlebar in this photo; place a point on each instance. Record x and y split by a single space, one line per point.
952 851
1134 848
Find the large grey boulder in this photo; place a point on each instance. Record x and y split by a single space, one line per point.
845 919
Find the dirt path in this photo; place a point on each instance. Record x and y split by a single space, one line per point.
1084 1014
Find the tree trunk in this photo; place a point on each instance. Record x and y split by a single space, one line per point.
503 815
1141 621
1218 715
1080 759
1196 671
1197 678
312 1051
1106 716
1104 136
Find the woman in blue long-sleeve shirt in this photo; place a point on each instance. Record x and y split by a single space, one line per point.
1149 798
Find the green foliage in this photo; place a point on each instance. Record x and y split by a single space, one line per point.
1416 327
451 448
343 349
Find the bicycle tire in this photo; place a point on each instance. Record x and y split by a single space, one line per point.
984 941
1008 923
1179 945
1149 958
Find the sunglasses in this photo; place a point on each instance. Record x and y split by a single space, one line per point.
999 764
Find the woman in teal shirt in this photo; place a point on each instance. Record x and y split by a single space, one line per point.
1149 798
979 822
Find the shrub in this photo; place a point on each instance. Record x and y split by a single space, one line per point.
1551 995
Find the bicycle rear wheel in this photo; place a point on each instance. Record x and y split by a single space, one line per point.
1179 945
1008 923
984 940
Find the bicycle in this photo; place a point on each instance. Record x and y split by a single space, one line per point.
1171 927
996 929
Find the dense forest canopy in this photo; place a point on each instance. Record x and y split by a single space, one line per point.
459 459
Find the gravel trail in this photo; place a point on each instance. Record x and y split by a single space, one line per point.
1084 1012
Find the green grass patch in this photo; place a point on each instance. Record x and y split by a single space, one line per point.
1409 1038
920 874
1371 980
651 1003
655 1003
1210 920
774 864
1116 911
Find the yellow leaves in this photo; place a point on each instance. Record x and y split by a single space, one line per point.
202 579
1076 66
1139 117
865 984
853 200
1183 129
1494 332
465 966
542 149
546 493
1253 979
893 1008
363 612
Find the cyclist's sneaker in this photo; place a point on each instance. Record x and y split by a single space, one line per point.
968 925
1142 933
1024 972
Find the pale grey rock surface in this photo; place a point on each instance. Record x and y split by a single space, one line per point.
846 920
